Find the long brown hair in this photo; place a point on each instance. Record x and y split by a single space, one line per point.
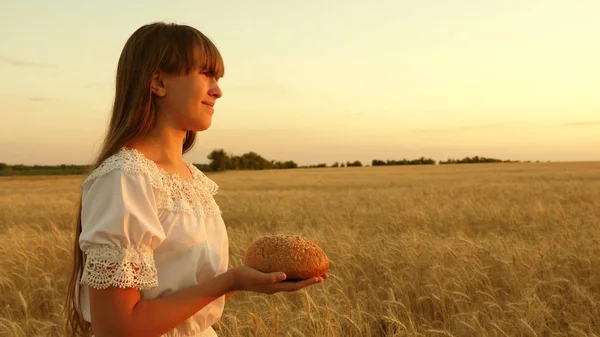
168 47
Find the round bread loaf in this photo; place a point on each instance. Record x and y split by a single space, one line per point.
298 257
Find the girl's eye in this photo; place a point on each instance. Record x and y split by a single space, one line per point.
210 74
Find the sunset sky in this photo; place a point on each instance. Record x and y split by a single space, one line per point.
321 81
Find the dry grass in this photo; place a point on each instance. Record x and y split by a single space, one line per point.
481 250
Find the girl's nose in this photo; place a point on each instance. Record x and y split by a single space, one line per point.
215 91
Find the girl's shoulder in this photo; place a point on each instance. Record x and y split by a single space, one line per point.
173 192
132 162
125 161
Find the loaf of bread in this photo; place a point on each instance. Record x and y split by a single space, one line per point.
298 257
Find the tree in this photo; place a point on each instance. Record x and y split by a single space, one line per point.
356 163
219 160
253 161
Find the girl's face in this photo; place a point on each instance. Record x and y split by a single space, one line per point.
187 101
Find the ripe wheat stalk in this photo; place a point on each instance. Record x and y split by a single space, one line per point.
473 250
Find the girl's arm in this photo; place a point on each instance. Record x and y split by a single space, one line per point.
120 312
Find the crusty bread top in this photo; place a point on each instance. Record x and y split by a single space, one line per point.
295 255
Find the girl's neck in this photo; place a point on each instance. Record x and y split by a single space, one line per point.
163 146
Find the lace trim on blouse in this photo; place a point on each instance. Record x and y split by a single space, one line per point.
129 267
192 196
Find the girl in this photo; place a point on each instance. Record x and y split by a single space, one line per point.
151 249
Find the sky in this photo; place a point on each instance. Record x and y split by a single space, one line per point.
320 81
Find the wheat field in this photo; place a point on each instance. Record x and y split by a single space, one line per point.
457 250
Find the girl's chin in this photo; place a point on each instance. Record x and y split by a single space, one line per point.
202 126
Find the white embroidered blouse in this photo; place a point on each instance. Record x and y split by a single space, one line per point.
146 228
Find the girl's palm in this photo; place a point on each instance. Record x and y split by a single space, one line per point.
249 279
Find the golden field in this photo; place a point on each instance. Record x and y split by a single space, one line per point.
457 250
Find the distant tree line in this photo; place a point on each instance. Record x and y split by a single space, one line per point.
476 160
223 161
35 170
420 161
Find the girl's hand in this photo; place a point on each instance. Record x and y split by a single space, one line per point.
249 279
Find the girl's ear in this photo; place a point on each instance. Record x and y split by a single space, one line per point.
158 85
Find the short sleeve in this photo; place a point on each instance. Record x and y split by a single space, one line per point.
120 231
